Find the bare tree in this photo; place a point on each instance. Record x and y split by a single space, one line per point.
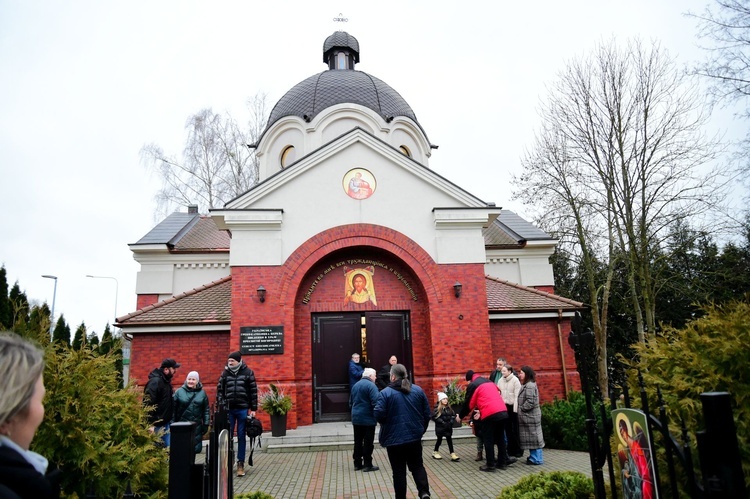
621 155
217 163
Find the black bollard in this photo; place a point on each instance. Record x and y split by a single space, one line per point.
181 459
718 450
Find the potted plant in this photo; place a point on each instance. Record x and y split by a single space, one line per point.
277 404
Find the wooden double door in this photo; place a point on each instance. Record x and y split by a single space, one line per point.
374 335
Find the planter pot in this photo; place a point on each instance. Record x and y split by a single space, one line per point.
278 425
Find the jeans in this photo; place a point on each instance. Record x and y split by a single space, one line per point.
401 456
535 456
364 436
163 432
240 416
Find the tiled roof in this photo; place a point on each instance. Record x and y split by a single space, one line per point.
204 235
207 304
169 229
505 296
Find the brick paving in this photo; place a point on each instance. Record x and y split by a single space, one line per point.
330 474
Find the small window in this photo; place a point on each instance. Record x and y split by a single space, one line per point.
341 60
405 151
288 155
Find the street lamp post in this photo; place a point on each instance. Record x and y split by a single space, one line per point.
117 286
54 297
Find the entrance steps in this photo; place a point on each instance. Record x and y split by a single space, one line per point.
333 436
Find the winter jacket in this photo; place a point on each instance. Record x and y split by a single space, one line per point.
239 390
362 402
487 399
509 388
20 480
355 373
529 417
158 394
403 414
384 377
444 422
191 405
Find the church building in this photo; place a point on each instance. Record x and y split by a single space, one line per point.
348 243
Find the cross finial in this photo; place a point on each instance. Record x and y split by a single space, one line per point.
340 18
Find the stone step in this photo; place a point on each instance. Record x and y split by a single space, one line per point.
332 436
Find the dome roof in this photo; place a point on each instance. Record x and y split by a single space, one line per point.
340 86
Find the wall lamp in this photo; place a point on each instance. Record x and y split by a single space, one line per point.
261 294
457 288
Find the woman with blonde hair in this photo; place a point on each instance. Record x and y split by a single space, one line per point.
23 473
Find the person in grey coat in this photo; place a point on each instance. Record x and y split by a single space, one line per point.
362 402
404 415
530 416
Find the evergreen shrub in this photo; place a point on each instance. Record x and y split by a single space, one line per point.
564 422
559 484
96 432
253 495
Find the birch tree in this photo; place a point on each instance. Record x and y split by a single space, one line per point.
620 156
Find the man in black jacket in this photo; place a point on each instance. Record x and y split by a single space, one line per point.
157 395
238 390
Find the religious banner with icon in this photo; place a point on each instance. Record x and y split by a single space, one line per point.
634 454
359 286
359 183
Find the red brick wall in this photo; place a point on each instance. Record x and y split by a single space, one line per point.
203 352
536 343
146 300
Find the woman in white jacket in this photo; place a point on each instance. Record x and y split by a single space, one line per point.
509 387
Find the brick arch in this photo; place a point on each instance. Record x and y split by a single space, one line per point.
322 244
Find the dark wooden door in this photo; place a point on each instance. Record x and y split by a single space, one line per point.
376 335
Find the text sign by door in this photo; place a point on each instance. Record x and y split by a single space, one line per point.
256 340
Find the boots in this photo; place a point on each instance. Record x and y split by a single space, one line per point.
240 468
454 457
479 456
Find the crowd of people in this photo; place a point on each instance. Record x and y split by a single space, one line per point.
503 410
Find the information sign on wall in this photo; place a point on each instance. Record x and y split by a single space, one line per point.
257 340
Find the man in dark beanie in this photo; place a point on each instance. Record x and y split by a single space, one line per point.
238 390
157 396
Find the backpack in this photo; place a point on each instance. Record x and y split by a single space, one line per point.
253 429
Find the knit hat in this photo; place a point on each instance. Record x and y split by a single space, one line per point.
469 375
235 355
442 396
194 374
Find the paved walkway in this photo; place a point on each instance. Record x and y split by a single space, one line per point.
330 473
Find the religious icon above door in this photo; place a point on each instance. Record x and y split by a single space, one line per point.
359 286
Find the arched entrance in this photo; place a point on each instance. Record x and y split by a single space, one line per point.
375 335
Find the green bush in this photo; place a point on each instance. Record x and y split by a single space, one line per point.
564 422
560 484
253 495
709 354
96 432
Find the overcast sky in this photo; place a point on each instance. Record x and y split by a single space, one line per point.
84 85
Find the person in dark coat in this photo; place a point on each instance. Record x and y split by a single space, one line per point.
24 474
404 415
355 370
191 405
362 402
384 375
444 417
239 392
157 395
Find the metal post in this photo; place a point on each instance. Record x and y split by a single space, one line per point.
117 287
181 459
54 297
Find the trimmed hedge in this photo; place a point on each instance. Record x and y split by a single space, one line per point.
560 484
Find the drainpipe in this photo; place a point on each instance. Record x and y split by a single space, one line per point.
562 352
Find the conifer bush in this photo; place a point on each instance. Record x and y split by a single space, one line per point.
709 354
96 432
564 422
559 484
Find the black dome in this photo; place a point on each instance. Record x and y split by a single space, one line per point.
340 86
323 90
